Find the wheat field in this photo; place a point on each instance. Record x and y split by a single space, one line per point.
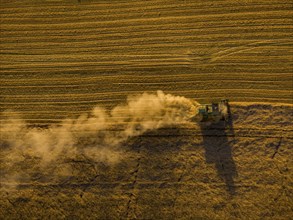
60 59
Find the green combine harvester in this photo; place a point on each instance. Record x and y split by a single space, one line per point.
213 112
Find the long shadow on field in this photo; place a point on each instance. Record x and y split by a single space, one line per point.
218 150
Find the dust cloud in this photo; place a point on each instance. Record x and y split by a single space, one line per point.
98 135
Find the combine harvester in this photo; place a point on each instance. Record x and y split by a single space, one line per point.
213 113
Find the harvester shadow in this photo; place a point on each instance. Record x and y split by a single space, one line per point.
218 150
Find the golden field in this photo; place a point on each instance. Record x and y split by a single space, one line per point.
59 59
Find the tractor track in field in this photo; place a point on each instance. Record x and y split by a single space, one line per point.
111 185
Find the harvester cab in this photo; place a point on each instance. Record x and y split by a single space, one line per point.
213 112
